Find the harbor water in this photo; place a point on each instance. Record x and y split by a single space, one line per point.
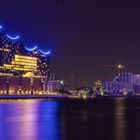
70 119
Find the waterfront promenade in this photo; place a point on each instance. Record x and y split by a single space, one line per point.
59 96
33 96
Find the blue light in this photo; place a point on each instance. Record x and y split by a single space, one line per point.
31 49
13 38
0 27
45 53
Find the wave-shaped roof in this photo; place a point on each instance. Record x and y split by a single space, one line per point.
30 49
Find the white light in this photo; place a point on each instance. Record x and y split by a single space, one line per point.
62 82
120 66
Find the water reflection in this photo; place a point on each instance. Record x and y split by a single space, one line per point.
120 119
49 125
29 120
99 119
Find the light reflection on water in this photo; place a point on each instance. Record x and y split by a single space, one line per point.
120 120
99 119
29 120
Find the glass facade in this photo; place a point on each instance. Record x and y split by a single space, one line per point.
19 62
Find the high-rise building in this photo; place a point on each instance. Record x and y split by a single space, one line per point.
123 83
23 70
137 83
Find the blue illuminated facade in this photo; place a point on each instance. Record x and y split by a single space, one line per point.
22 69
124 83
12 38
31 49
12 46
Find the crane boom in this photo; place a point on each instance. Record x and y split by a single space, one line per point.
115 66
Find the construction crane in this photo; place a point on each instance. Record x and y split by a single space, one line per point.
119 67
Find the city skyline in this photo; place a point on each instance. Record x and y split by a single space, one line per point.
81 34
69 70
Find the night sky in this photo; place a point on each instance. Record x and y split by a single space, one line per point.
81 33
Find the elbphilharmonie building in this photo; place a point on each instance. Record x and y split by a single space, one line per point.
23 69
